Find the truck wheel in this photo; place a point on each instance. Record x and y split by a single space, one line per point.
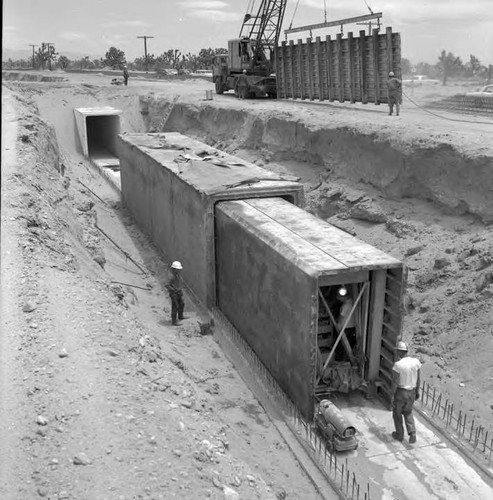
219 87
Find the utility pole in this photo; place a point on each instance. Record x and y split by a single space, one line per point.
33 46
145 37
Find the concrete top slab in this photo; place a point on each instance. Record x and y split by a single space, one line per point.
314 245
210 171
101 110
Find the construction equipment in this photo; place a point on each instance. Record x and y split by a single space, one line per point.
337 432
249 66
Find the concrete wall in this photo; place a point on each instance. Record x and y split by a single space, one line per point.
174 204
171 212
270 301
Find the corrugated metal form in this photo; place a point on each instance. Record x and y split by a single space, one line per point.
353 69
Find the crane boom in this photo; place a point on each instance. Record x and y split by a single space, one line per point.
264 27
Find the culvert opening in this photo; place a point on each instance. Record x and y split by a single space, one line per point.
101 135
98 129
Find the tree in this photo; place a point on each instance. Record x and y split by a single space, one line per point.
64 62
46 54
406 66
115 58
449 65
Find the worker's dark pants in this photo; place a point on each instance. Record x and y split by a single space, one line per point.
177 306
394 100
403 407
126 81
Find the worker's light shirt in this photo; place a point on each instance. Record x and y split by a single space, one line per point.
407 368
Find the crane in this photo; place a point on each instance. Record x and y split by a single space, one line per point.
249 64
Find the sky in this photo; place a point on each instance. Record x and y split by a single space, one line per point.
91 27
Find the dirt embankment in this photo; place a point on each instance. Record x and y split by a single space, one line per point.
436 172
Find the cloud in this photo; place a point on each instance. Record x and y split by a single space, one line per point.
212 10
214 15
204 4
72 36
126 24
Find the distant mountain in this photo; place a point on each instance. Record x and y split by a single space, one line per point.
16 54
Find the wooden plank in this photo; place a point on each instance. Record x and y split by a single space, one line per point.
375 60
310 68
350 42
299 59
282 86
390 60
347 249
377 301
291 67
362 63
328 60
343 279
320 64
340 68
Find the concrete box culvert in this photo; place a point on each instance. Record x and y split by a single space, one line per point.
98 130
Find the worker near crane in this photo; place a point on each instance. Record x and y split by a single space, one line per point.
407 381
125 75
394 86
241 89
174 286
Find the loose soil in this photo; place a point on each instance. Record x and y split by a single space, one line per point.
134 408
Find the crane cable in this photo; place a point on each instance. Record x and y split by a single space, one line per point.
294 14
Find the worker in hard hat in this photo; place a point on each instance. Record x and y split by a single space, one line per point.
394 87
407 382
125 75
174 286
241 87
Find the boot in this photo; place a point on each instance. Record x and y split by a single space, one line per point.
412 438
397 437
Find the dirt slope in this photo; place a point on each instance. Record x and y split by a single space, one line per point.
101 397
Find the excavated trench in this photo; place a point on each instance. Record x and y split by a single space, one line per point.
440 173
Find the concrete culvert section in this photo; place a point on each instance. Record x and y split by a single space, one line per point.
98 129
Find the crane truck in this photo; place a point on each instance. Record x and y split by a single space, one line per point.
248 67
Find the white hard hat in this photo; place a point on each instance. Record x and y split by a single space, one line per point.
176 265
401 346
244 71
391 73
342 291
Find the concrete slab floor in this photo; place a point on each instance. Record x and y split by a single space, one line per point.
431 468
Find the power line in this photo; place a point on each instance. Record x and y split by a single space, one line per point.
145 37
33 46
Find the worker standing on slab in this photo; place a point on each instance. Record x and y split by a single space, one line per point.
125 76
174 287
241 90
407 381
394 86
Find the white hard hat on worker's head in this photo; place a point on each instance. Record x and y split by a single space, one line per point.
391 73
342 292
244 71
401 346
176 265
